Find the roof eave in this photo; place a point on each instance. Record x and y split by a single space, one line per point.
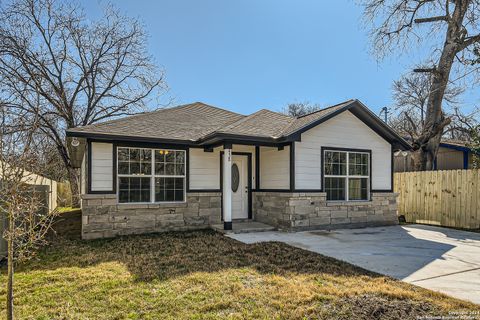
126 138
221 138
455 147
213 139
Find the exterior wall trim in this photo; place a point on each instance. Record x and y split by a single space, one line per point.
257 167
322 173
292 166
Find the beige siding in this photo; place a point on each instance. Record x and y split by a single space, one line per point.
274 168
35 179
448 159
342 131
205 167
102 166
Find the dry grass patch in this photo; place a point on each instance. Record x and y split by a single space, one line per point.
205 275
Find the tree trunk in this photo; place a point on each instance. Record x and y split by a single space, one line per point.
427 144
10 270
73 174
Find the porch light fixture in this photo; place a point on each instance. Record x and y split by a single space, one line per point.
75 142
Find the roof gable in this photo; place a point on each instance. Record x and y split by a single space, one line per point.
359 110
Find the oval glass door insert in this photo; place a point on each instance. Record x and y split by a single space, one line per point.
235 177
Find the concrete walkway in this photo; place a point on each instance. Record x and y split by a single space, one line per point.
435 258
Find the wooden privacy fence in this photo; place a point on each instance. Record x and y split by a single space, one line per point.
448 198
64 194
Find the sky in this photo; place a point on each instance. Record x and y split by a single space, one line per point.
245 55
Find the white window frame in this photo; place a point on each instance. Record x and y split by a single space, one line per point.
152 176
347 175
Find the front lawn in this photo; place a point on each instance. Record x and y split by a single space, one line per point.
206 275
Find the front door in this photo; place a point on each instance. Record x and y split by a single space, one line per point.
240 187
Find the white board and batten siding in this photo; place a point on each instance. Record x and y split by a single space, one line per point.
342 131
102 166
205 167
274 168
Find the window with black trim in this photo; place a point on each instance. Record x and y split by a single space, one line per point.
346 175
150 175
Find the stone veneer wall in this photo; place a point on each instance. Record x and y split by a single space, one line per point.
102 217
312 211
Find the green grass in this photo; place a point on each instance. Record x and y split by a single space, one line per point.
67 209
204 275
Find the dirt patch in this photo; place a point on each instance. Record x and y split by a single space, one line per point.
68 225
374 307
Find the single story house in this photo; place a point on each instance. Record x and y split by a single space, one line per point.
196 165
452 155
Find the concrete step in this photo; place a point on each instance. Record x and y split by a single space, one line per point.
244 227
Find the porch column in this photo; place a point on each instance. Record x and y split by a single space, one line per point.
227 187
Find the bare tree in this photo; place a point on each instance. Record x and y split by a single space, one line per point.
27 215
298 109
451 28
410 95
411 91
462 124
62 69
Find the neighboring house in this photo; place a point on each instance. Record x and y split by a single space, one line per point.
45 187
196 165
451 155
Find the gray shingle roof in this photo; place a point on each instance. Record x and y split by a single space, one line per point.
263 123
199 123
186 122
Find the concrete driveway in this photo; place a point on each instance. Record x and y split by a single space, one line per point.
435 258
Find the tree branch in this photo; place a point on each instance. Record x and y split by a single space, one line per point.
425 70
469 41
432 19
